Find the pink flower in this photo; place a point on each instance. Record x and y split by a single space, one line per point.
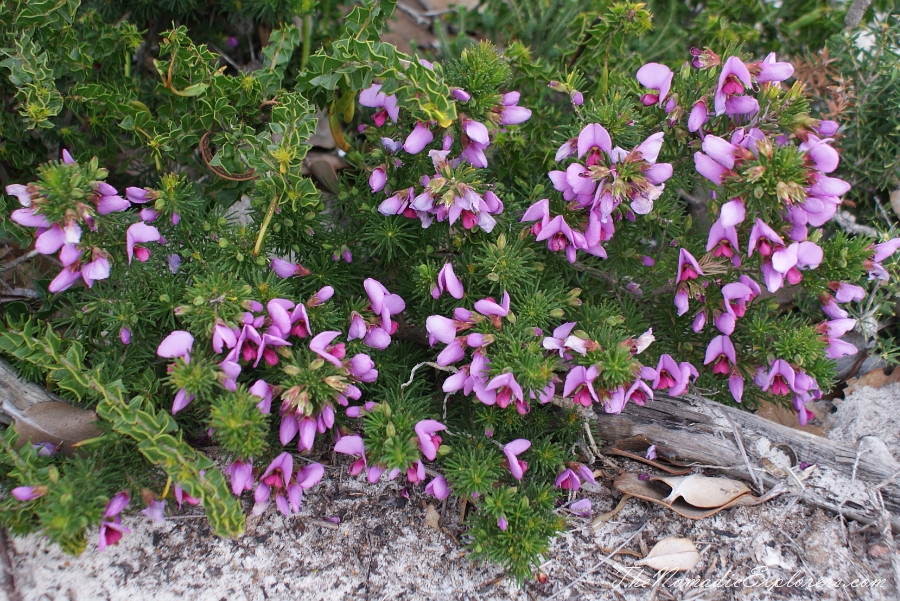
781 377
658 78
512 450
734 79
448 281
438 488
137 233
286 269
111 530
771 70
720 352
418 139
688 268
241 473
429 441
373 97
176 344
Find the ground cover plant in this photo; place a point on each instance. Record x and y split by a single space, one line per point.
572 214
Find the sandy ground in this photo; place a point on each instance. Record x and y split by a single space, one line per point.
384 548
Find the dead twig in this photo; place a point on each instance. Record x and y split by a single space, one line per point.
19 260
740 443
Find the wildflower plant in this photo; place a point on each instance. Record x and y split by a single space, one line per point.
518 232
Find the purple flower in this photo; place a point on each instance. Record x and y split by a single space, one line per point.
383 302
512 450
373 97
353 445
568 480
418 139
723 241
138 233
489 307
720 352
241 473
320 345
580 381
155 510
378 178
658 78
581 508
286 269
508 112
111 530
844 292
507 389
276 477
448 281
780 378
429 441
771 70
699 115
176 344
438 488
64 279
688 268
28 493
673 376
97 269
733 80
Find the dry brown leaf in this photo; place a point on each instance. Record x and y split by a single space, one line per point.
656 491
895 201
673 554
873 379
432 517
787 417
703 491
55 422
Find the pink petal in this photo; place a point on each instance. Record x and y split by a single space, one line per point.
176 344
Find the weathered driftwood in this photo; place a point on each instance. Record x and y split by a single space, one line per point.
21 394
700 432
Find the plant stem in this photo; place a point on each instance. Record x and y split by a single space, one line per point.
264 227
307 41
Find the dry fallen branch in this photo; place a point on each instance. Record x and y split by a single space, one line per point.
699 431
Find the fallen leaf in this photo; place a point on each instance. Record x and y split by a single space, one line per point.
703 491
432 517
873 379
55 422
788 417
773 469
656 491
672 554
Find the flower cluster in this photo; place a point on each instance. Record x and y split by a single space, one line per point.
475 377
610 184
770 187
428 442
62 204
454 191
